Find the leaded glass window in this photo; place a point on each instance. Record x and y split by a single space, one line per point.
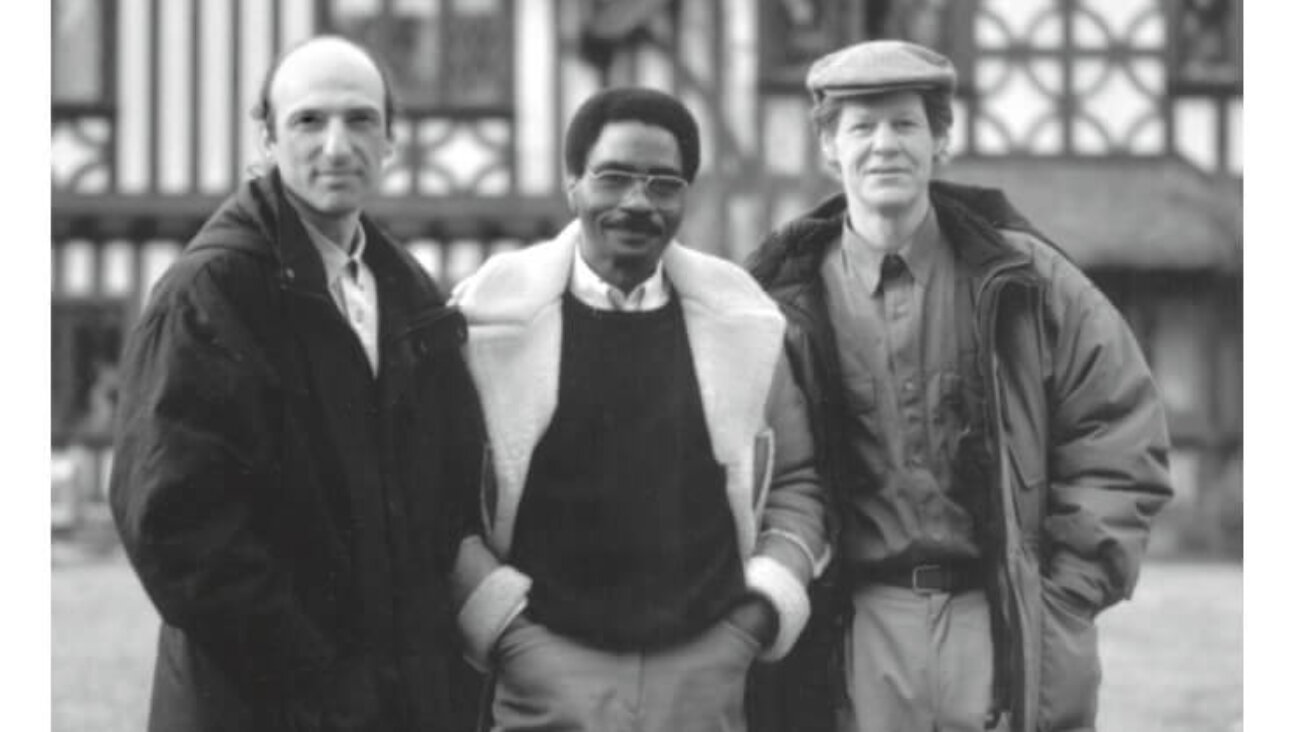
1206 45
442 54
79 74
451 64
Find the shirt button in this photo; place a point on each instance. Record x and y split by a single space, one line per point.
909 386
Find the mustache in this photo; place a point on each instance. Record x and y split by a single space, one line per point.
637 224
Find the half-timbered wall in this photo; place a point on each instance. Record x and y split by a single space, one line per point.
168 117
151 129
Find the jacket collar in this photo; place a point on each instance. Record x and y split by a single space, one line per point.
514 296
970 216
513 308
258 220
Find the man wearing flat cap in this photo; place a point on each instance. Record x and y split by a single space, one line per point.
987 423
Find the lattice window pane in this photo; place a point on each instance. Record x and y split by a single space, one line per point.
408 42
796 32
1206 45
1020 105
78 43
440 54
79 154
463 157
477 43
1000 23
1098 22
1086 77
1117 107
793 34
943 25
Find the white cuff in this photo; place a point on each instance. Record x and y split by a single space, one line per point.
817 564
489 609
784 591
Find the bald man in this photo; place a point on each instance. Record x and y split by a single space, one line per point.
298 439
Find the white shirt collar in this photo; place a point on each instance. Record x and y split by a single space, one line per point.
600 294
335 257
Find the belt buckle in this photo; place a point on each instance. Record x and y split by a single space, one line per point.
928 579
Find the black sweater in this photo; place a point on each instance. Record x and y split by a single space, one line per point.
624 525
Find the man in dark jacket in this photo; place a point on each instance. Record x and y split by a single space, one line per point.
298 440
984 415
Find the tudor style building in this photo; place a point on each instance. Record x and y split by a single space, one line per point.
1114 124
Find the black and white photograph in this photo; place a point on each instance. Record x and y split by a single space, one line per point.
648 366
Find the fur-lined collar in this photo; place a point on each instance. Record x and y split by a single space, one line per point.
972 217
513 308
512 289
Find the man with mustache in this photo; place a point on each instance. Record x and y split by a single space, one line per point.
298 439
653 513
985 419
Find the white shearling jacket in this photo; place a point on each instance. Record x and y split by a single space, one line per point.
756 417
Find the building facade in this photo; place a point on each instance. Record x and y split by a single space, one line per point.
1114 124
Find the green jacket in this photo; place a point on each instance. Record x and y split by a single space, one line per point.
1070 438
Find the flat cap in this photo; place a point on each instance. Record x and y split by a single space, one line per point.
875 67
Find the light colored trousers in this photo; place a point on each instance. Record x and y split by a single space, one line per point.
553 683
918 662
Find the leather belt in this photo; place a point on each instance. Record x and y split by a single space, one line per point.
929 577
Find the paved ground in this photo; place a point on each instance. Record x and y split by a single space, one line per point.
1172 657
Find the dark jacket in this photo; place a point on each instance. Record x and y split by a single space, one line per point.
291 517
1068 437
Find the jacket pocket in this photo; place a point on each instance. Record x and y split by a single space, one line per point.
1070 671
1028 501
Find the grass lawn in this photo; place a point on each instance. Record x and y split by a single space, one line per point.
1172 657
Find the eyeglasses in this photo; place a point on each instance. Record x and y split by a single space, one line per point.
619 182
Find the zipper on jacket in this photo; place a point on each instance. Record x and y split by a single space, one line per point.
1008 669
326 301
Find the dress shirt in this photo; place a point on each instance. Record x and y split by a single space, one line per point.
904 337
353 288
594 291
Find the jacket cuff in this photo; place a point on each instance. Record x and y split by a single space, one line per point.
817 564
489 609
785 592
472 565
